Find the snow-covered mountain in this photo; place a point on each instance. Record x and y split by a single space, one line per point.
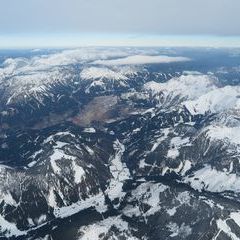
120 143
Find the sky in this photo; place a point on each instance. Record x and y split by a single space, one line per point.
59 23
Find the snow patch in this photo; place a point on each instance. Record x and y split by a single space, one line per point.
210 179
182 232
119 172
97 201
175 145
78 172
149 193
160 139
98 73
97 230
214 101
186 166
229 134
189 87
9 229
51 198
173 153
222 226
89 130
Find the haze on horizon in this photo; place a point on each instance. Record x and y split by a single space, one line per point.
43 23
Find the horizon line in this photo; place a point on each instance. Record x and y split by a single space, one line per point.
75 40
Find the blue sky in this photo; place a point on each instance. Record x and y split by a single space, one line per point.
70 23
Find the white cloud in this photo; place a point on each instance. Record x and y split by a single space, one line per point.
66 57
140 59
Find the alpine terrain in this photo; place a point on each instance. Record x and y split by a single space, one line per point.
122 143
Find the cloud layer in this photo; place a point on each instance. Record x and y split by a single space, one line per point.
121 16
140 59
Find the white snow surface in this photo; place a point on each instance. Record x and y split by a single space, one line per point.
10 229
175 144
215 101
186 166
159 140
119 172
51 198
97 201
187 86
94 231
224 227
147 193
210 179
8 199
200 94
182 232
236 217
57 155
173 153
100 72
79 173
89 130
225 133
